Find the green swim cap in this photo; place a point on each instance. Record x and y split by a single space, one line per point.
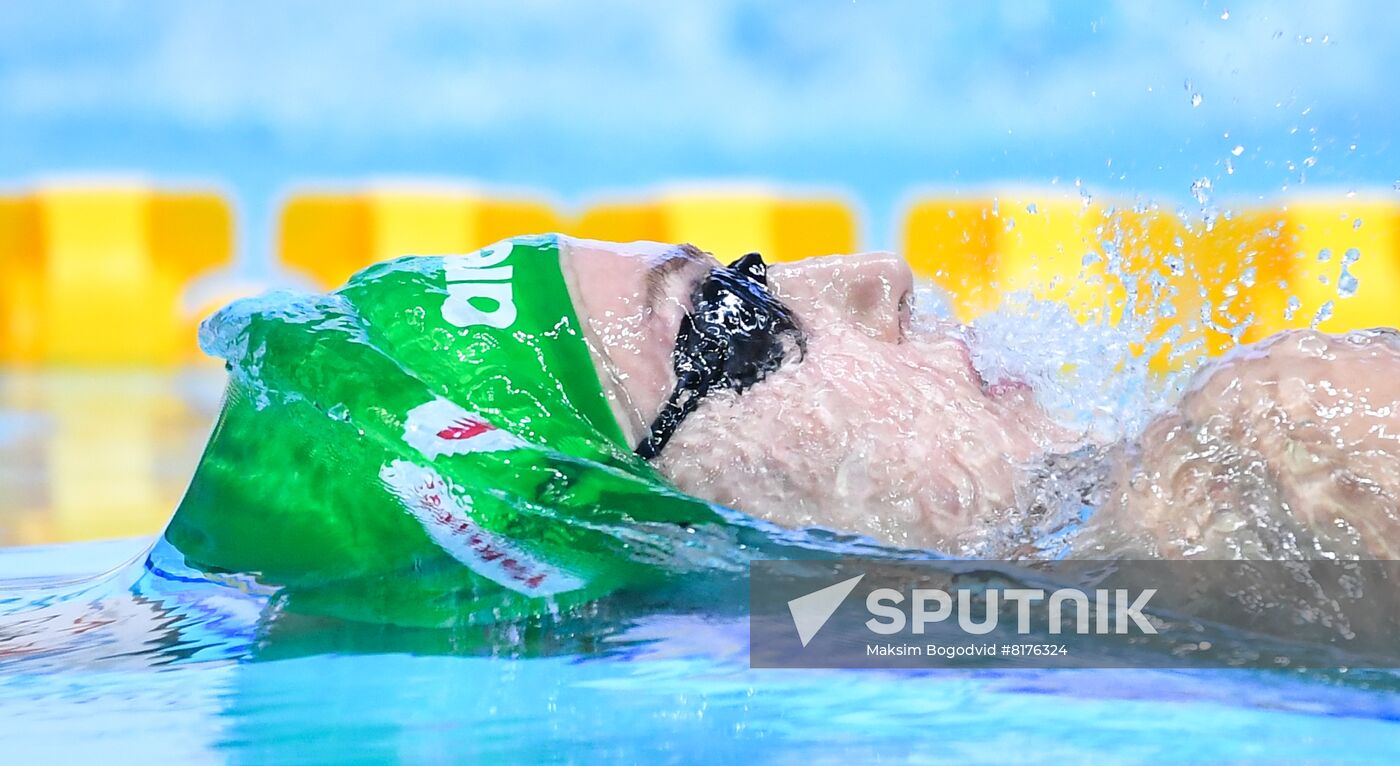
429 445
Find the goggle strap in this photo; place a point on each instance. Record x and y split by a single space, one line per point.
678 406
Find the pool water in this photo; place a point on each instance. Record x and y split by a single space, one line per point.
153 662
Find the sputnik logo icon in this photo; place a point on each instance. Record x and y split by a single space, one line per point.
810 612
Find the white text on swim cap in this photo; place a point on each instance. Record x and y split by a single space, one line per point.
479 288
447 516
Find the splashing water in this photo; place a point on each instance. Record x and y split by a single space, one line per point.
1085 375
1090 362
1292 310
1089 370
1200 190
1089 365
1323 314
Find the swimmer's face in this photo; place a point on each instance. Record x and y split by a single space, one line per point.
876 428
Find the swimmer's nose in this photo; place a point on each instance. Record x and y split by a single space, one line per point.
870 291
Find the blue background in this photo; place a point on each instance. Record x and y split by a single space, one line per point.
877 99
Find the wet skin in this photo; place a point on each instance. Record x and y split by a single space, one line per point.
1289 448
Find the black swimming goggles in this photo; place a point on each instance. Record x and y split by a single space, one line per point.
737 333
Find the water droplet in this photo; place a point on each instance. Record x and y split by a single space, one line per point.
1323 314
1352 255
1200 189
1325 254
1031 208
1238 150
1225 15
1309 162
1196 100
1293 305
1356 224
1347 284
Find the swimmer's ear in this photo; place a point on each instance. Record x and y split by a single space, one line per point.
753 267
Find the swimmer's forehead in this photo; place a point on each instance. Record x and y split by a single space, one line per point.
660 270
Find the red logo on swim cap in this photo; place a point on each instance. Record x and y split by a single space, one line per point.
440 428
465 428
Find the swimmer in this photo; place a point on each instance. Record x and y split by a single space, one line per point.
482 439
1286 449
449 440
